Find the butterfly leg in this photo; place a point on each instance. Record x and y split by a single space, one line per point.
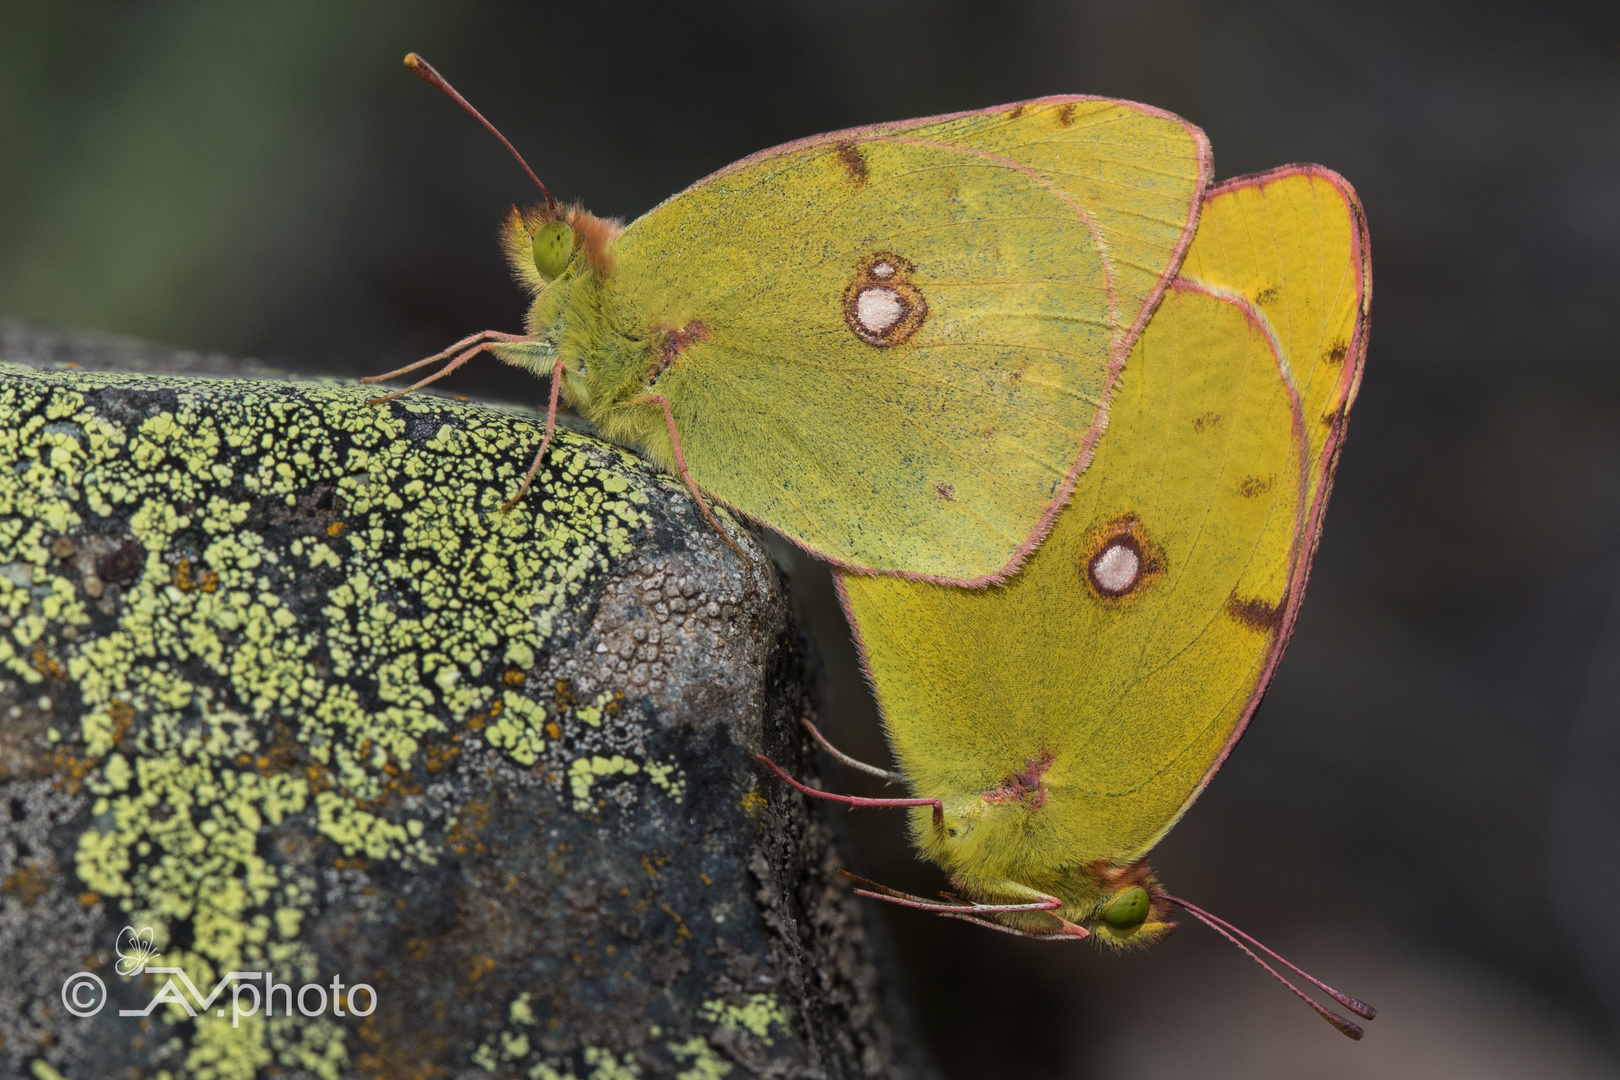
821 740
680 463
982 914
854 800
551 429
484 339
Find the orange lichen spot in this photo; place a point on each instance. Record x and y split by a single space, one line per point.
27 884
477 721
463 835
565 695
481 966
705 879
89 899
553 730
123 715
70 771
513 677
681 932
43 662
495 709
440 756
338 528
753 803
319 779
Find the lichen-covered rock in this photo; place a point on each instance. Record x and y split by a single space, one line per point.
283 686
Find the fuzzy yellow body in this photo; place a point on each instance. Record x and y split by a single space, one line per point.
1067 718
894 344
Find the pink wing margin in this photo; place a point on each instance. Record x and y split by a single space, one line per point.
1122 345
1309 532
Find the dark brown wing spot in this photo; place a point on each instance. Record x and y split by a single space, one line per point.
1256 614
1065 115
1016 111
1336 352
853 161
1251 486
945 492
672 343
1267 294
1206 422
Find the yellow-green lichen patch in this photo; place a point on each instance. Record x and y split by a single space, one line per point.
261 602
756 1016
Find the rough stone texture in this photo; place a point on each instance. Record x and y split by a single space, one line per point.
278 682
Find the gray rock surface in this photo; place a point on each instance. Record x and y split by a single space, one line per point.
280 685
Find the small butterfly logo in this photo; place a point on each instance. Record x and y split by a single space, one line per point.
135 950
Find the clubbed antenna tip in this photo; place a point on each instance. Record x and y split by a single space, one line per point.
426 72
1243 941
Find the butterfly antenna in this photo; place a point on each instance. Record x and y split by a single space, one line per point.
425 71
1243 940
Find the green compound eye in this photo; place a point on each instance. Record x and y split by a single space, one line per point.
553 247
1128 909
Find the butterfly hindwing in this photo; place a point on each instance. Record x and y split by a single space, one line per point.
1136 642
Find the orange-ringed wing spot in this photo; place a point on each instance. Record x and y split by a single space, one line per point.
881 305
1121 560
1255 613
671 343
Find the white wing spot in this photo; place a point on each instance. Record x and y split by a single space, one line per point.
1115 570
878 308
883 270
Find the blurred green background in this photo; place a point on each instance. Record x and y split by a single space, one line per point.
1426 811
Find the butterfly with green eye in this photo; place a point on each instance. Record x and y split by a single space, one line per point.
893 345
1053 729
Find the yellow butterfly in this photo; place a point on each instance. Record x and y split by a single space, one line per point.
1054 728
894 345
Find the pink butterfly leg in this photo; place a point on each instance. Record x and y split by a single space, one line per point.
473 344
680 464
551 429
821 740
983 914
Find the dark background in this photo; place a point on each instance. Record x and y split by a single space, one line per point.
1427 808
